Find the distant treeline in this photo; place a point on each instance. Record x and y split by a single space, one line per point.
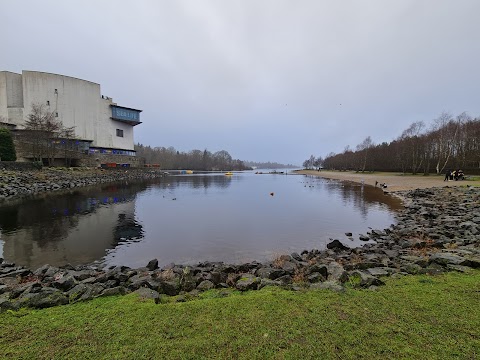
269 165
447 143
169 158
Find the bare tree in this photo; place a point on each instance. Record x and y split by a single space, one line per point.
45 134
364 148
412 138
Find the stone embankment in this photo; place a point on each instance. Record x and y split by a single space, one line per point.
438 231
18 184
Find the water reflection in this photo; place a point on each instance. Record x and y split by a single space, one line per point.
197 181
186 219
75 227
360 196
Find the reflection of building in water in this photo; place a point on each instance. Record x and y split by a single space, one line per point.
82 242
75 228
127 228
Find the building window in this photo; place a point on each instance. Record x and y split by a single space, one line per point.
48 103
119 133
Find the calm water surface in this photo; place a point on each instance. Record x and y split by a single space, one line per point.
191 218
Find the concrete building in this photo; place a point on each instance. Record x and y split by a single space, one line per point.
101 126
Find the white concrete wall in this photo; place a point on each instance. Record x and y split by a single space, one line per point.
3 94
11 97
76 101
79 104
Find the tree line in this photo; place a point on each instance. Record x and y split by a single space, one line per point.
172 159
448 142
269 165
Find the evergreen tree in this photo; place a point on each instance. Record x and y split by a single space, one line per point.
7 148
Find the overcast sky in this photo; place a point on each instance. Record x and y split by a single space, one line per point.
265 80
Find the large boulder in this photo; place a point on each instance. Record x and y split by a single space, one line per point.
48 297
248 282
336 272
152 265
270 273
336 245
205 285
362 279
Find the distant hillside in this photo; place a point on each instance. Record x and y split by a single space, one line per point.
270 165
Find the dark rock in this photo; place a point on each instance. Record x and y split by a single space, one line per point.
267 282
244 268
447 258
296 257
6 304
92 291
316 268
51 271
41 270
48 297
216 277
118 290
270 273
316 277
459 268
15 273
336 272
381 271
205 285
410 268
170 288
289 267
65 283
153 265
146 293
16 291
83 274
247 282
364 279
336 244
76 292
284 280
473 261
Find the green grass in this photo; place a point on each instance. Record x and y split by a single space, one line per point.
416 317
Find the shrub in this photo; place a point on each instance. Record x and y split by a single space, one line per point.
7 148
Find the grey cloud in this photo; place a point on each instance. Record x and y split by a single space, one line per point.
265 80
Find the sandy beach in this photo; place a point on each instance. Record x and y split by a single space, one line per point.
394 181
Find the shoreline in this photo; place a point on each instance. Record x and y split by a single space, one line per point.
395 181
430 237
21 184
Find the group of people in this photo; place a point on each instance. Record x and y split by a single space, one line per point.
454 175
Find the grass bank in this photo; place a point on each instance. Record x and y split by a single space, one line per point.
416 317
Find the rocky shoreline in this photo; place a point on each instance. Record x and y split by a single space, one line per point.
438 231
25 183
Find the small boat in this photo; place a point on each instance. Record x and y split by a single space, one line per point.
229 173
